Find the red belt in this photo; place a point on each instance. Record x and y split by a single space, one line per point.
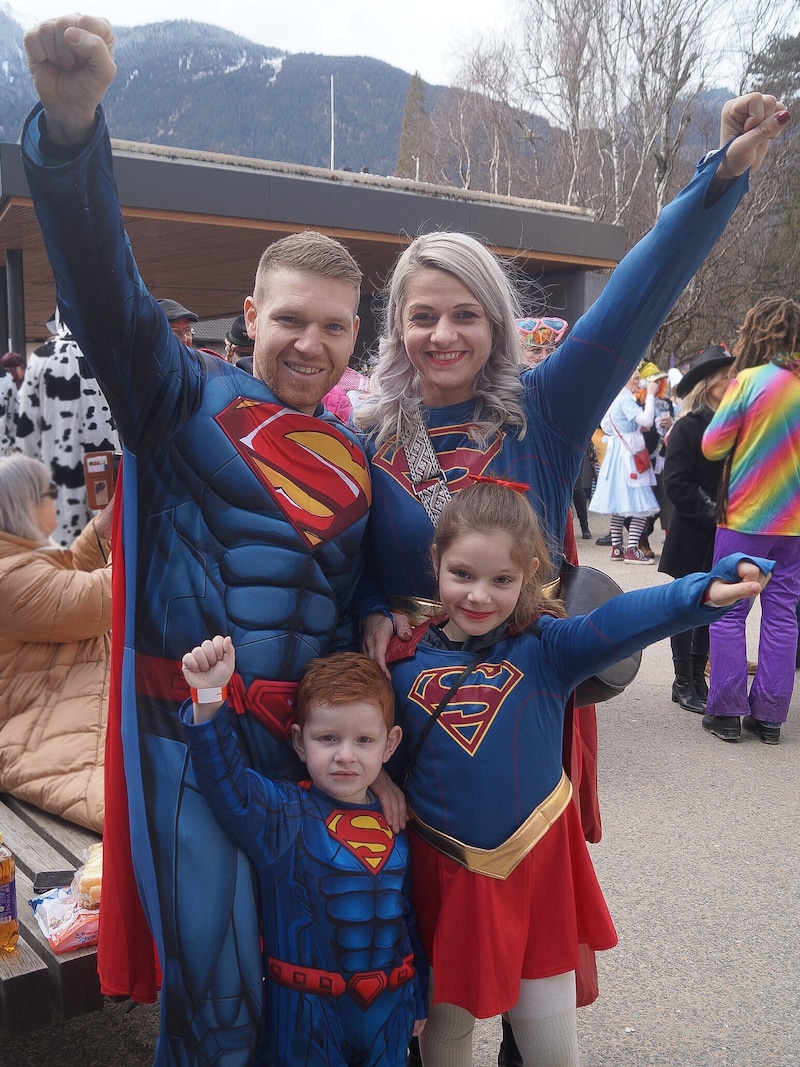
271 703
364 987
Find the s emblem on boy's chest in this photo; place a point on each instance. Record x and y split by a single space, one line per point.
364 833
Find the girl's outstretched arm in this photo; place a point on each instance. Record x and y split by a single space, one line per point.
722 594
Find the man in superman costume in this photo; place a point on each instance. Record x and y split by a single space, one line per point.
244 504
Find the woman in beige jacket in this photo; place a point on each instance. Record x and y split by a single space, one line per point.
55 642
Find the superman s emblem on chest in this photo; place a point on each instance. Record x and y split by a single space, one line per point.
364 833
472 709
316 475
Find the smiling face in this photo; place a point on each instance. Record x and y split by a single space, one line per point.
479 583
344 747
304 329
447 335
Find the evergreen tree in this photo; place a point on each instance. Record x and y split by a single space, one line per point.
414 123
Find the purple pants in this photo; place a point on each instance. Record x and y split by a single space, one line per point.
771 691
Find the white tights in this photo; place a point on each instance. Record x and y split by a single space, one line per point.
543 1019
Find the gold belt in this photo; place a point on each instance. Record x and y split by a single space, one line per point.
416 608
500 862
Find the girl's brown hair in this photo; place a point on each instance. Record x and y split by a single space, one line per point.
490 508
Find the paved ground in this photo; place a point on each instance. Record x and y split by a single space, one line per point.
699 862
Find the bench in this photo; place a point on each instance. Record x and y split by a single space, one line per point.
38 987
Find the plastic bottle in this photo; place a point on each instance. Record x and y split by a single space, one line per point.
9 923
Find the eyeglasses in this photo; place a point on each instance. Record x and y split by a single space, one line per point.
184 333
52 492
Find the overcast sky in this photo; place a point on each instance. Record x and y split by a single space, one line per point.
415 35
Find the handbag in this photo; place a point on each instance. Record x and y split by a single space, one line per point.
641 459
582 589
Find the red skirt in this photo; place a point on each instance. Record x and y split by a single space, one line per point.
483 935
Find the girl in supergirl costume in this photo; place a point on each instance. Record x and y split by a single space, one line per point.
502 883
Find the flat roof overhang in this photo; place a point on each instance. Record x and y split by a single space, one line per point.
198 223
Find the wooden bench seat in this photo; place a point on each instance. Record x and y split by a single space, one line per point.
38 987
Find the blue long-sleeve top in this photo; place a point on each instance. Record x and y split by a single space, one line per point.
564 398
334 880
240 515
494 753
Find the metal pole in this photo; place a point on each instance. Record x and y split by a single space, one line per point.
15 300
332 124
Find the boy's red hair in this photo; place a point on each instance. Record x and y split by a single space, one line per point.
345 678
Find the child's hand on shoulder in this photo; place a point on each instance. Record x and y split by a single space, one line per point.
419 1026
723 594
209 665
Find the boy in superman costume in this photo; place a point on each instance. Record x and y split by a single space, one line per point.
346 979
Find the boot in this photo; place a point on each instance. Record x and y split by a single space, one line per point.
509 1055
683 689
699 678
413 1057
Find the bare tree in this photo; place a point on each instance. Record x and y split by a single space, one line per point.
624 86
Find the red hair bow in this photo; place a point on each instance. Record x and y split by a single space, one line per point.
517 487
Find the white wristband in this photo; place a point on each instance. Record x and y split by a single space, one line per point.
209 696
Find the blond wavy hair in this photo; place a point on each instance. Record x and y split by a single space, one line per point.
396 404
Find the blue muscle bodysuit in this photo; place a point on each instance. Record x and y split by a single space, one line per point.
346 977
491 759
564 397
240 516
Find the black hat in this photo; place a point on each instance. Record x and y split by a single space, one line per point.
705 363
237 334
174 311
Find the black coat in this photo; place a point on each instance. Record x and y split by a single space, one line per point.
691 483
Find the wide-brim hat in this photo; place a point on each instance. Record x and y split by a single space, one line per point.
175 311
705 363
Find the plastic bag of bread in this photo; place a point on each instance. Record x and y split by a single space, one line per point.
65 923
88 879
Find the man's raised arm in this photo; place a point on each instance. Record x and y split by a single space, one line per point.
71 60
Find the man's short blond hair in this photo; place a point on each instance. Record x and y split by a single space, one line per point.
309 252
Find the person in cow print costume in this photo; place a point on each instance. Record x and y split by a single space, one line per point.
8 411
62 414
